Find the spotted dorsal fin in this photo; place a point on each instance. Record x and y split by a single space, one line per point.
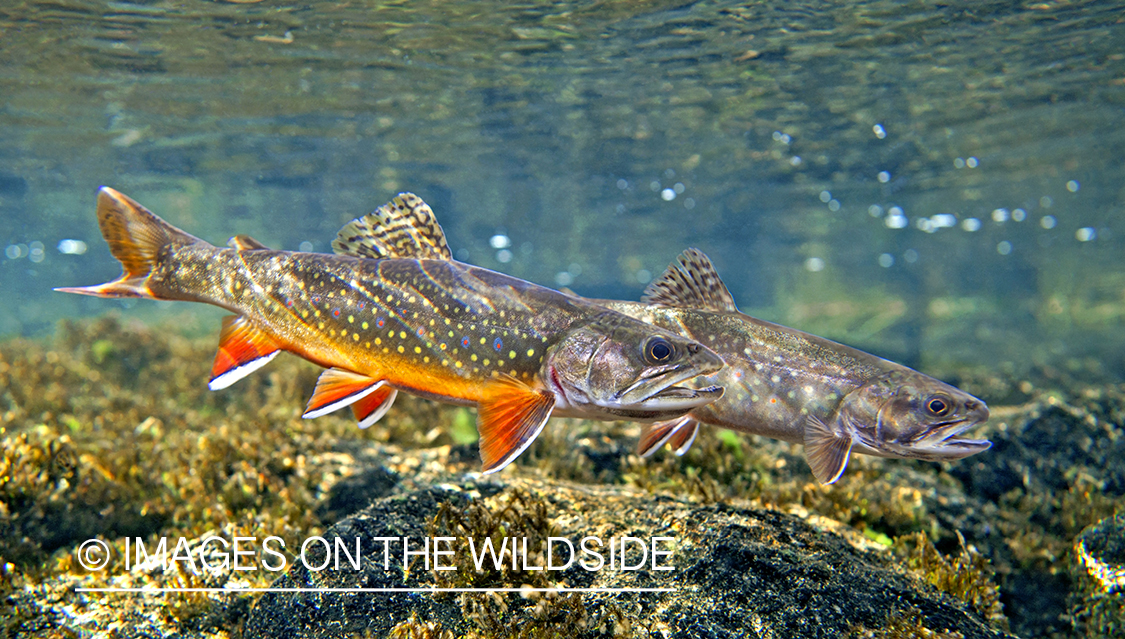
405 227
246 243
690 282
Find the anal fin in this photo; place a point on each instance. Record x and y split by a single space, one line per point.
243 349
371 408
510 419
337 388
826 452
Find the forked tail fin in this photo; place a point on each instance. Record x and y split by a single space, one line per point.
136 238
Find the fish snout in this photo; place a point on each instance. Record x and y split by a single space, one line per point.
977 411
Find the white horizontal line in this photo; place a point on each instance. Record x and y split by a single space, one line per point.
328 590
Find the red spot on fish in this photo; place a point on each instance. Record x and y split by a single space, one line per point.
465 342
379 322
421 331
497 343
335 312
289 302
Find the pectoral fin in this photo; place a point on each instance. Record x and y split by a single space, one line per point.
337 388
509 420
243 349
684 437
371 409
827 452
656 434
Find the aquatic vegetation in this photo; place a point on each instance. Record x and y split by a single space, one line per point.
1098 604
903 625
966 576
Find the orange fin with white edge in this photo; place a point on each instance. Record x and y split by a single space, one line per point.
684 437
371 409
827 452
136 237
243 349
337 388
509 420
655 435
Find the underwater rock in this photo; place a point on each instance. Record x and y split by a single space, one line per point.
1099 553
738 571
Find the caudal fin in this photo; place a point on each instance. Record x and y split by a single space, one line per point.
135 237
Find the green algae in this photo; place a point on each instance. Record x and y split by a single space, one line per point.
129 443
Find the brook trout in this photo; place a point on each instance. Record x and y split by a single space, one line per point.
789 385
425 324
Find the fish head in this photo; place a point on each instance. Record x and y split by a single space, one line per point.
911 415
615 367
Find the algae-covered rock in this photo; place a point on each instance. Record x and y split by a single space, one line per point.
1099 554
736 571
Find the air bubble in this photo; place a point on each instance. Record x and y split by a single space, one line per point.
879 131
1048 221
1004 248
886 260
971 224
668 195
884 177
1072 186
499 241
1085 234
814 265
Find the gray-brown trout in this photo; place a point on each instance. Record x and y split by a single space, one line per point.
789 385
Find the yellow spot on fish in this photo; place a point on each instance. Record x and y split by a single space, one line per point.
442 346
445 362
482 340
486 362
320 325
355 336
451 333
378 340
459 365
316 313
304 314
511 354
531 352
344 333
351 319
418 349
473 357
332 332
402 334
426 359
401 349
364 325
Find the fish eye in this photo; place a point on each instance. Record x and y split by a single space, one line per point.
938 406
658 350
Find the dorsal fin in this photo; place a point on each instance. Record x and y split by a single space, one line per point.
405 227
246 243
690 282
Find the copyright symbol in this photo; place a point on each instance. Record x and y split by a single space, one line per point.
93 555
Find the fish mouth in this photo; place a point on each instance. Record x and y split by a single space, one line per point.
680 398
941 442
658 389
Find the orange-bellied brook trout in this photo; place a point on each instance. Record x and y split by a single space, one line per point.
789 385
425 324
782 383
